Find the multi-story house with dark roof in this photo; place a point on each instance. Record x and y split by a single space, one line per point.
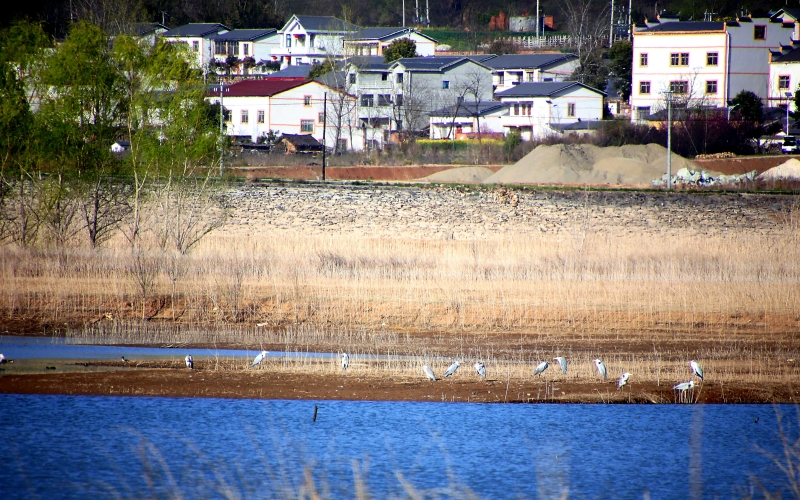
373 41
702 63
257 44
312 39
199 37
512 69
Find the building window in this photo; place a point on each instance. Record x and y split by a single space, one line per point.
398 100
311 41
384 100
571 109
644 87
759 32
679 87
233 48
642 112
367 100
321 118
226 115
399 77
246 49
502 80
643 59
196 46
307 126
679 59
384 77
711 87
783 82
516 109
245 116
445 84
288 41
306 100
220 48
712 58
260 116
352 78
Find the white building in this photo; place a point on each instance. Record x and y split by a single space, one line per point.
467 118
312 39
512 69
372 41
534 107
257 44
149 32
198 37
254 107
702 63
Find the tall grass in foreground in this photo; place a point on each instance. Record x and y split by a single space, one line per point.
576 284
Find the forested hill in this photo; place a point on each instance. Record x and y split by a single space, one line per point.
462 14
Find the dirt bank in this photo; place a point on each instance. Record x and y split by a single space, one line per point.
464 387
365 173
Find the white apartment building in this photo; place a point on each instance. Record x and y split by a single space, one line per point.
702 63
199 38
534 108
312 39
784 63
254 107
248 43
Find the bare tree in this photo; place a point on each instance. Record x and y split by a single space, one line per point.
588 35
475 84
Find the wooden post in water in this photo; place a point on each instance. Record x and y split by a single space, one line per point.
315 413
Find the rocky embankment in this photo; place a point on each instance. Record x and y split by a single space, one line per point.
453 213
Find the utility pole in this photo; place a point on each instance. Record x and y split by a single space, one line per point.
404 13
611 30
221 130
537 20
416 12
668 96
630 21
324 129
427 14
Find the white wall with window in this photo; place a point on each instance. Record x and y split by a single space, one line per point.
784 76
704 63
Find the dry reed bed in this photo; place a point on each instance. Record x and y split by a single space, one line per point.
580 283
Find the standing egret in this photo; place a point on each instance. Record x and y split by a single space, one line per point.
601 368
345 361
259 358
684 386
542 367
189 361
562 362
480 369
696 369
428 372
623 380
451 370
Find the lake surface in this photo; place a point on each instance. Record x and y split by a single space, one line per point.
80 446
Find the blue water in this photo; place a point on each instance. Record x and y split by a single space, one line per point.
56 348
80 447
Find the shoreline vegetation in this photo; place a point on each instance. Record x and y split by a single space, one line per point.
644 281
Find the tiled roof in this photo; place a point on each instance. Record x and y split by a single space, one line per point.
682 26
197 29
434 64
260 88
369 63
790 57
381 32
468 108
511 61
305 140
142 29
296 71
542 89
245 35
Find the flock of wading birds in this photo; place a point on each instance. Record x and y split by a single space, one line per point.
697 370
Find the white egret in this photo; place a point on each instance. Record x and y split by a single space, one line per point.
345 361
259 358
601 368
562 363
452 369
428 372
542 367
2 359
189 362
684 386
623 380
481 369
696 369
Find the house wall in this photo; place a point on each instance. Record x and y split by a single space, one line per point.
205 51
776 94
588 106
425 46
554 73
442 126
742 63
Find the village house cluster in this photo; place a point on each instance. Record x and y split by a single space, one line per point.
366 103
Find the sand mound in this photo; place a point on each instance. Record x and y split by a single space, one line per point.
588 164
461 175
789 170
